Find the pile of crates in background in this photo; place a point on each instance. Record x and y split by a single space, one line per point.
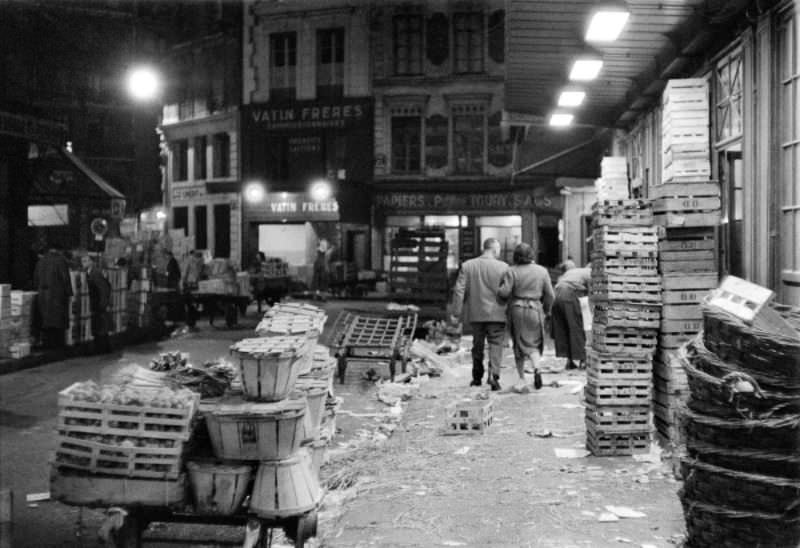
626 302
688 214
275 267
80 312
16 321
685 131
613 182
418 265
118 279
139 300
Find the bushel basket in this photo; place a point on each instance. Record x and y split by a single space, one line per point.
270 365
218 489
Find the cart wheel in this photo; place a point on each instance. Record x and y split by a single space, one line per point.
301 528
130 534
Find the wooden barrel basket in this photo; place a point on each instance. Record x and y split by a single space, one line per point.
315 392
285 488
218 488
270 365
242 430
316 448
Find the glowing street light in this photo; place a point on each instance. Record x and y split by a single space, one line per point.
320 190
144 83
254 193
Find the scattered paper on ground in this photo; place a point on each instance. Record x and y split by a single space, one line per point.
625 512
567 453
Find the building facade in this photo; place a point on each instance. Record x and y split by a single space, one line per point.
754 116
307 131
443 156
200 136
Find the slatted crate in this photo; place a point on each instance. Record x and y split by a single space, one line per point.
617 444
468 417
418 265
623 314
632 241
611 419
622 213
687 288
626 288
624 266
118 460
669 372
681 312
602 391
619 366
635 341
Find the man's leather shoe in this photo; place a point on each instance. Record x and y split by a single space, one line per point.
475 383
494 384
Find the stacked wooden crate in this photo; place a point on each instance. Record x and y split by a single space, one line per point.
626 301
688 265
16 321
687 210
418 268
118 279
138 312
685 131
80 312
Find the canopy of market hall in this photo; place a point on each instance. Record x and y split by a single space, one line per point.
659 40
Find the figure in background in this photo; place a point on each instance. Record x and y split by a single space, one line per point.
173 270
527 287
99 304
475 293
195 271
570 340
51 280
322 267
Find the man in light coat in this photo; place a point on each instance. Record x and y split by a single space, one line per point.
475 294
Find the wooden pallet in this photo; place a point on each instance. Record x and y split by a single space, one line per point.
617 444
619 366
617 391
610 419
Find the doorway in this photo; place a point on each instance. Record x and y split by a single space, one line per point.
731 229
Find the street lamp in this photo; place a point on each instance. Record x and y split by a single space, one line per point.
254 192
320 190
144 83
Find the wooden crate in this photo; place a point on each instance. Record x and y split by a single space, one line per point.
83 417
688 219
622 217
681 326
632 241
670 373
82 489
468 417
619 366
633 341
617 444
682 312
628 288
624 266
117 460
622 314
610 419
600 391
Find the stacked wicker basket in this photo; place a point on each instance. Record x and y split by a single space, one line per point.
268 422
742 472
626 302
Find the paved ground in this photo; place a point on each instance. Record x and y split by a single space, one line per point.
418 488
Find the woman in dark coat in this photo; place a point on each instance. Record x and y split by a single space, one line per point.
99 303
567 317
52 282
527 287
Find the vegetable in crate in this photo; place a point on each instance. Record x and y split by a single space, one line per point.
168 361
90 391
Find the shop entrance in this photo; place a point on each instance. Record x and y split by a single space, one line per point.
287 241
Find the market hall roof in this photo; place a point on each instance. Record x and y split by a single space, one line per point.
662 39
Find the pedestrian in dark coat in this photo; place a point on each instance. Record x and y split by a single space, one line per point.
52 282
99 304
527 287
567 318
475 293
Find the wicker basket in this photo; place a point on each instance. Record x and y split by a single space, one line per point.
776 435
218 489
740 490
746 460
755 351
712 526
256 431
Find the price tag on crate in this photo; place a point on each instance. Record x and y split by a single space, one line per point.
741 298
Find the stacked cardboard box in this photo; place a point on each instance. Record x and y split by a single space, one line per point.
688 265
613 183
685 131
626 301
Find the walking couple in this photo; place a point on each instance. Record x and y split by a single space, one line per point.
491 294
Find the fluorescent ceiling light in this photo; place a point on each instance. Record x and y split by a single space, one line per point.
606 25
571 98
584 70
561 119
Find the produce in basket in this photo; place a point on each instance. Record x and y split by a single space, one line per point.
90 391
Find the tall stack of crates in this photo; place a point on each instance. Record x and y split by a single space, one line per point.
687 209
118 279
685 131
626 301
80 316
613 183
138 313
